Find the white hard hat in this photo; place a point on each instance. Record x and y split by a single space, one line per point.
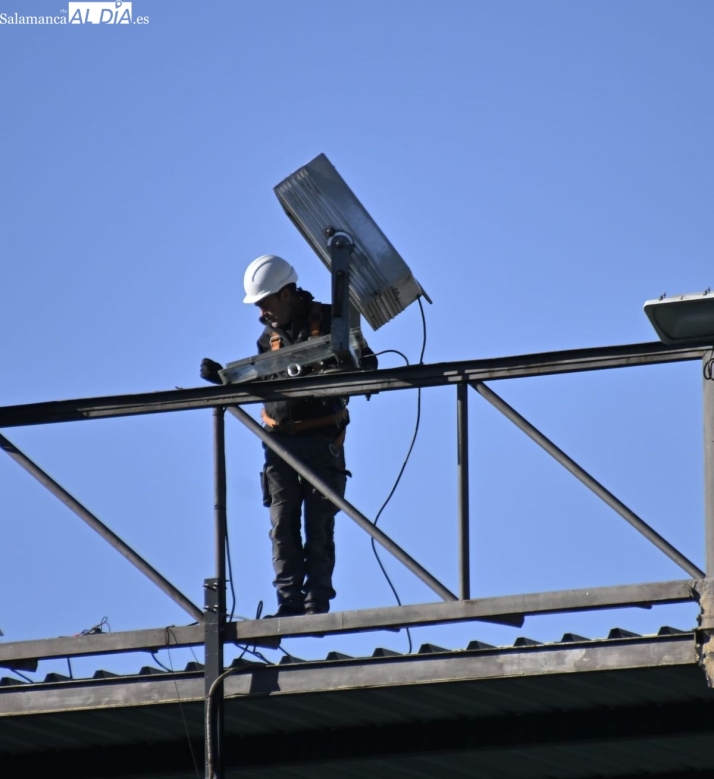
266 276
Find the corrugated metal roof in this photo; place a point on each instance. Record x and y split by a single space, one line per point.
618 706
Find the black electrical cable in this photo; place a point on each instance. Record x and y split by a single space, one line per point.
423 326
97 628
708 369
404 464
159 663
230 576
394 351
170 633
198 662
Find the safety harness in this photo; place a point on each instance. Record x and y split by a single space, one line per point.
339 419
314 320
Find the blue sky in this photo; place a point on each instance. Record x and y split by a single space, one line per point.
543 167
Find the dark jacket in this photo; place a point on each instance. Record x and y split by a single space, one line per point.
294 332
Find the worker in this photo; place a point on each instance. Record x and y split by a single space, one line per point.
313 429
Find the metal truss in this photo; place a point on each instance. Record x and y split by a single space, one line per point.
213 630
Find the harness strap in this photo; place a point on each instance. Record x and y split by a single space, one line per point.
315 319
338 420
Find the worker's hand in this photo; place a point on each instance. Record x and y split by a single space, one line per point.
209 371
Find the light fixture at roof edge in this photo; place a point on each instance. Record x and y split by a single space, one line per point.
683 320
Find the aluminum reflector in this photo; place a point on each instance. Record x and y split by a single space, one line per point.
318 201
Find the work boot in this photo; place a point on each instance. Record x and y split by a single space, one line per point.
287 610
316 608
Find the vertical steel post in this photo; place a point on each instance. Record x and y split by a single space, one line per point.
462 469
215 602
341 246
708 393
213 707
220 521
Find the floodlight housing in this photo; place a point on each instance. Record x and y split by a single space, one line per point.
684 320
320 204
292 359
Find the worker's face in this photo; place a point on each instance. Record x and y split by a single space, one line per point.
277 309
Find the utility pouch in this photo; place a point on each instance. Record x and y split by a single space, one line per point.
265 489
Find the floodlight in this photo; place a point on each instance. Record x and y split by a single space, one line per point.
324 208
683 320
368 275
291 359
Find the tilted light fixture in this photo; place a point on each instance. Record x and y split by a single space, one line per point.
319 202
368 275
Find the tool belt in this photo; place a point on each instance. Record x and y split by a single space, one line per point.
338 420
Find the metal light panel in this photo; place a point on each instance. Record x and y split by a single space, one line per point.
683 319
291 359
318 200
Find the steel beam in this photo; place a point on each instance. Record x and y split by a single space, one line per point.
307 473
98 526
708 397
150 640
252 631
356 383
462 475
562 601
592 484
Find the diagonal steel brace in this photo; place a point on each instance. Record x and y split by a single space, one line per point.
591 483
96 524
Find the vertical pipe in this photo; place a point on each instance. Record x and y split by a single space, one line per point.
215 623
708 396
462 469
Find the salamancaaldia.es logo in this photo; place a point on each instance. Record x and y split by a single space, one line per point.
116 12
95 12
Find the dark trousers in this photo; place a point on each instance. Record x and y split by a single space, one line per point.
303 567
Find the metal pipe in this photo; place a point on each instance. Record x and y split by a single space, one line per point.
307 473
98 526
708 398
462 472
591 483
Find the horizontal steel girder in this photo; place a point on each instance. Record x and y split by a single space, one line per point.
255 631
357 383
